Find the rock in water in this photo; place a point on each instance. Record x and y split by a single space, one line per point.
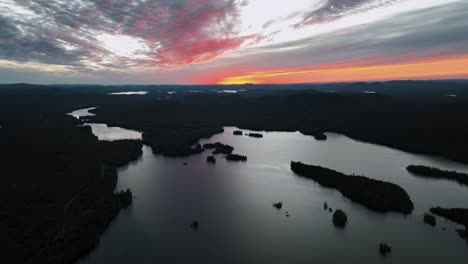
194 225
384 249
211 159
429 219
278 205
236 157
125 198
340 218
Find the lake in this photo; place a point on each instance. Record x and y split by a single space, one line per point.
238 224
104 132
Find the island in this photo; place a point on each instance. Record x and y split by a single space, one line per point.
457 215
374 194
211 159
255 135
384 249
236 157
237 133
320 136
125 198
340 218
429 219
431 172
278 205
219 148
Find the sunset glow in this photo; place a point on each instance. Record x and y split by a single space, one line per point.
231 41
451 67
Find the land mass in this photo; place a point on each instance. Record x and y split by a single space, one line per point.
59 179
374 194
457 215
431 172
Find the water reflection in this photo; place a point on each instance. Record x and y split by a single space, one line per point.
82 113
103 132
238 224
130 93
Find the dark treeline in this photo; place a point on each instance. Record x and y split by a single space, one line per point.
57 179
376 195
236 157
171 124
436 173
219 148
457 215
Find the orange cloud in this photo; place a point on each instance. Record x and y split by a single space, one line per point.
445 67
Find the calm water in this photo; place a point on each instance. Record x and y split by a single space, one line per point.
238 224
82 113
105 133
130 93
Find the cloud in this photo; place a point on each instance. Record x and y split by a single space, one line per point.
138 40
175 32
430 33
330 10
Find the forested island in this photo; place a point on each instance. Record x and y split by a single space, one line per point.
236 157
219 148
430 172
374 194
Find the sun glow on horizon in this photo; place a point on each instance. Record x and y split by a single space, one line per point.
446 67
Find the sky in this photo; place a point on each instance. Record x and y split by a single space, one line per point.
231 41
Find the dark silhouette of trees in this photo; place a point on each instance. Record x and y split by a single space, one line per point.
211 159
236 157
384 249
429 219
457 215
219 148
340 218
278 205
374 194
255 135
431 172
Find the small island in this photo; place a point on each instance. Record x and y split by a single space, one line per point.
374 194
278 205
430 172
194 225
457 215
255 135
384 249
238 133
236 157
320 136
340 218
125 198
429 220
219 148
211 159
